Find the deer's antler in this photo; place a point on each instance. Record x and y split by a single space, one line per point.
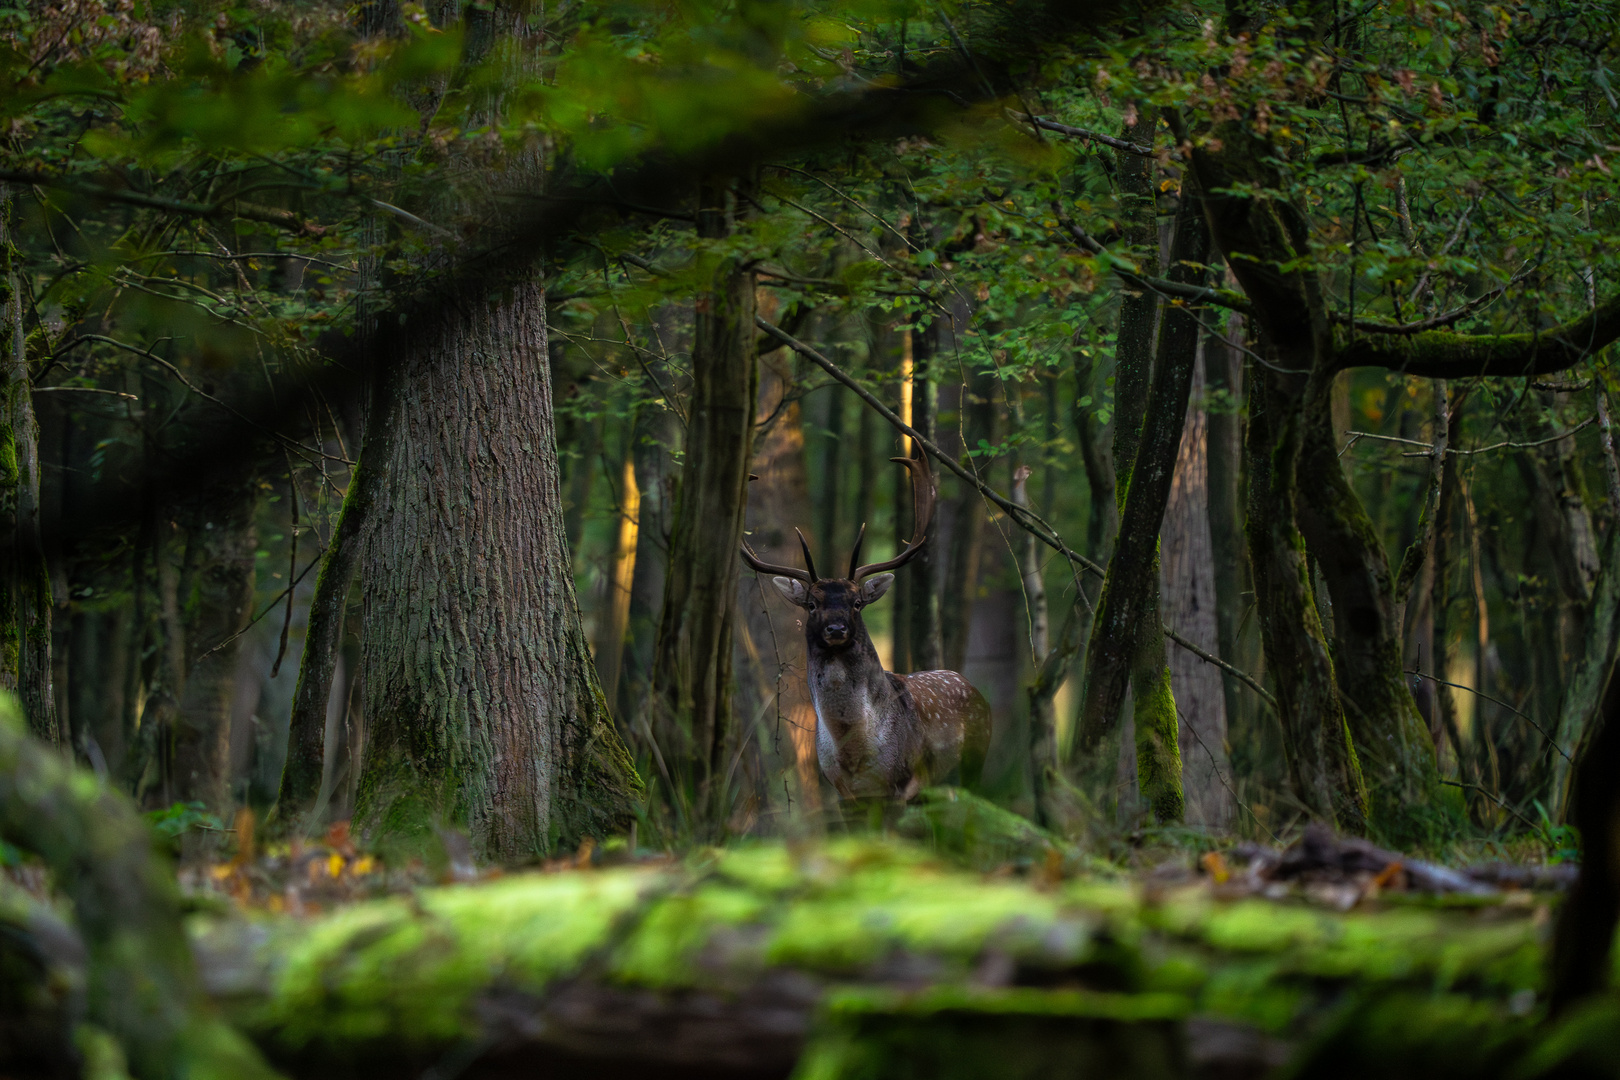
785 571
922 495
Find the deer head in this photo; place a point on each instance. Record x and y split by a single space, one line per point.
834 604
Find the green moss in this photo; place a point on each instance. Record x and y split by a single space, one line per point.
9 470
1158 750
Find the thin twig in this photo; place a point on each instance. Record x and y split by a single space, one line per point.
82 390
1498 701
1110 141
1237 673
1475 787
1023 517
268 608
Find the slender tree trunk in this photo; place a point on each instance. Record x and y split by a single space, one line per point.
1187 581
653 436
221 541
1097 455
692 672
926 643
1127 646
25 623
1223 370
1442 647
482 706
306 750
967 532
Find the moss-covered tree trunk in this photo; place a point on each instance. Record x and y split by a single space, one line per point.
691 686
221 541
1127 646
1266 240
1397 757
482 706
25 604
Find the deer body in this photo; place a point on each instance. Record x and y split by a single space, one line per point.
879 734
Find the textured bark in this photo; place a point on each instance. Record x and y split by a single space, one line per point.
221 540
306 733
1127 648
1397 757
482 707
25 621
692 673
1265 241
1187 582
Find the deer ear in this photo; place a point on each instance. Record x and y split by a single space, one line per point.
873 588
797 592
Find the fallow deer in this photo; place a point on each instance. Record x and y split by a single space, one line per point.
879 733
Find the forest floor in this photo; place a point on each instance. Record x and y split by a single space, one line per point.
960 942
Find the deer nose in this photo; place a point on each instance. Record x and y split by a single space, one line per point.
835 632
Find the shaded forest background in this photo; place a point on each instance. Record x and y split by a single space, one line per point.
1289 324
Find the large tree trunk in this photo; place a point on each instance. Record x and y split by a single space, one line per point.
1187 580
1265 240
25 620
482 707
221 541
1396 754
692 672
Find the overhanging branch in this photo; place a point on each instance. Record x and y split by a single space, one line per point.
225 209
1441 355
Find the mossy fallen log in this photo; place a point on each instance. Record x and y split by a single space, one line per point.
867 958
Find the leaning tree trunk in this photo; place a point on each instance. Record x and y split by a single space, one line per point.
691 693
1127 646
482 706
221 540
25 618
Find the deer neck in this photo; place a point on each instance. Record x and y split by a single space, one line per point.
856 701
